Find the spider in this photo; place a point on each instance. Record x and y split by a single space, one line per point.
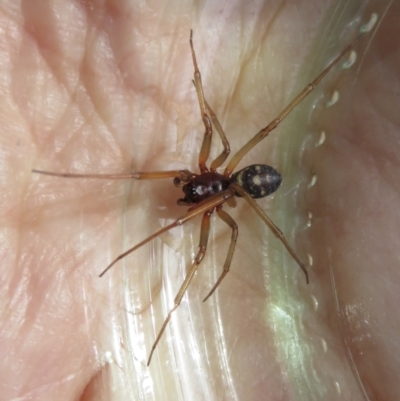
208 191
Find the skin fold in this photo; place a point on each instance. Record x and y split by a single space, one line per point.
105 87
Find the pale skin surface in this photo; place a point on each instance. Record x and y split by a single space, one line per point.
94 88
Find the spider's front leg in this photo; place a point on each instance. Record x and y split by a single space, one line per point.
206 145
207 114
182 175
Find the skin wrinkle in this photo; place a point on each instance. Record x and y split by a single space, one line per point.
74 91
90 90
65 85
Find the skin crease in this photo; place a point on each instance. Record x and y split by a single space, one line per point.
85 85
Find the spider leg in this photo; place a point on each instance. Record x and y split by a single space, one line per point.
225 153
227 149
231 223
181 174
204 234
277 120
206 145
278 233
202 207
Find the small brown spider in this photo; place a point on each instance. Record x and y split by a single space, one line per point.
208 191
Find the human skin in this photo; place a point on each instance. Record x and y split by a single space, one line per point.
106 88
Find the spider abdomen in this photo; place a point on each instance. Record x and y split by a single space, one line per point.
258 180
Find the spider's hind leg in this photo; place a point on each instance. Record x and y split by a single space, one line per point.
271 225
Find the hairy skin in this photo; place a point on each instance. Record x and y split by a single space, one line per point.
106 87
